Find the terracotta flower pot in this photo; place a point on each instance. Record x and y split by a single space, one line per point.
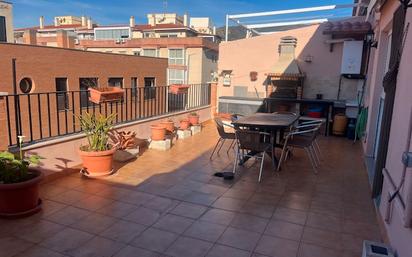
179 89
107 94
158 132
168 125
184 124
96 164
21 199
194 119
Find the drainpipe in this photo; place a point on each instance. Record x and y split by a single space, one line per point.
16 100
408 213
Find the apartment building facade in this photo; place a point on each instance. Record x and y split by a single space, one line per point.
190 45
6 22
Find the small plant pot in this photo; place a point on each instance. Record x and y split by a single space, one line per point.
107 94
179 89
158 132
97 164
21 199
184 124
194 119
168 125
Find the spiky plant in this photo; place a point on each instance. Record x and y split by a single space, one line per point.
97 128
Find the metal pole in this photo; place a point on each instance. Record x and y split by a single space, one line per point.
16 100
227 28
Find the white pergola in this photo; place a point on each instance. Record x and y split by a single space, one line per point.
300 17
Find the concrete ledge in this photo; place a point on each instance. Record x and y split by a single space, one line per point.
162 145
182 134
196 129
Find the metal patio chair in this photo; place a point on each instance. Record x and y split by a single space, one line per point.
223 136
313 123
251 143
303 138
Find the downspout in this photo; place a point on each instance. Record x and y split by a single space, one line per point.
408 212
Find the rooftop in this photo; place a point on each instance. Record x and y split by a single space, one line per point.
170 203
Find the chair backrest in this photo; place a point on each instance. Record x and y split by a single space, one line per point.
253 140
221 128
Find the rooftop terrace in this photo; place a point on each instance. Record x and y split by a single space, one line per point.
170 204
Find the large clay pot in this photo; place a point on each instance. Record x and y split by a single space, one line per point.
97 164
184 124
168 125
194 119
158 132
21 199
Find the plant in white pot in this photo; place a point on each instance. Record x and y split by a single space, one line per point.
125 142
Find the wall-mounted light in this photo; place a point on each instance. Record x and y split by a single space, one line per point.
308 58
370 39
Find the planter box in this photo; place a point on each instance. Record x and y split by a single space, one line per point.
179 89
108 94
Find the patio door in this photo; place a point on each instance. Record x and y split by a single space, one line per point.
3 34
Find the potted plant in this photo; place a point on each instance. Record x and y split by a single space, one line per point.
194 118
19 185
179 89
125 143
169 125
97 155
105 94
158 132
184 124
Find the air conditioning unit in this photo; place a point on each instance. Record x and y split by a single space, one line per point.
117 41
374 249
76 41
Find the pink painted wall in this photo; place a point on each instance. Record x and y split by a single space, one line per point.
61 156
261 54
399 237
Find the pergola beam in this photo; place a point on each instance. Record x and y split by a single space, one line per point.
289 23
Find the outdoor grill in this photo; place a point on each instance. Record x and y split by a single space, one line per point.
286 80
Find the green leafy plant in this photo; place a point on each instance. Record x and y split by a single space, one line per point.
15 169
97 129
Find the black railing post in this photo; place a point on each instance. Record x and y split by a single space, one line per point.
17 117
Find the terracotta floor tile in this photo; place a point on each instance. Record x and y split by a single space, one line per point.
188 247
222 250
10 246
257 209
205 231
325 222
130 251
38 251
229 204
161 204
67 240
189 210
284 229
123 231
173 223
94 223
322 238
38 231
68 215
277 247
308 250
249 222
143 216
155 240
218 216
239 238
117 209
290 215
92 203
98 247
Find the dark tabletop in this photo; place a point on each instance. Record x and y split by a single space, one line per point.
267 120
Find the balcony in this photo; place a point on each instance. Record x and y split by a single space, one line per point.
170 204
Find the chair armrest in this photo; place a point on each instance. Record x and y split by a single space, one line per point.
308 126
301 132
311 122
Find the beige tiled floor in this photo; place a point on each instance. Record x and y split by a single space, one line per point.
169 204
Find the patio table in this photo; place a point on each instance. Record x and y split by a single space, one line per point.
274 123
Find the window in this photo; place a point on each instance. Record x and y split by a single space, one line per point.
176 56
116 33
61 95
134 87
84 84
122 52
26 85
137 53
150 52
149 88
168 35
3 34
115 82
176 76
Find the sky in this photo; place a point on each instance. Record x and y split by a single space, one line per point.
104 12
